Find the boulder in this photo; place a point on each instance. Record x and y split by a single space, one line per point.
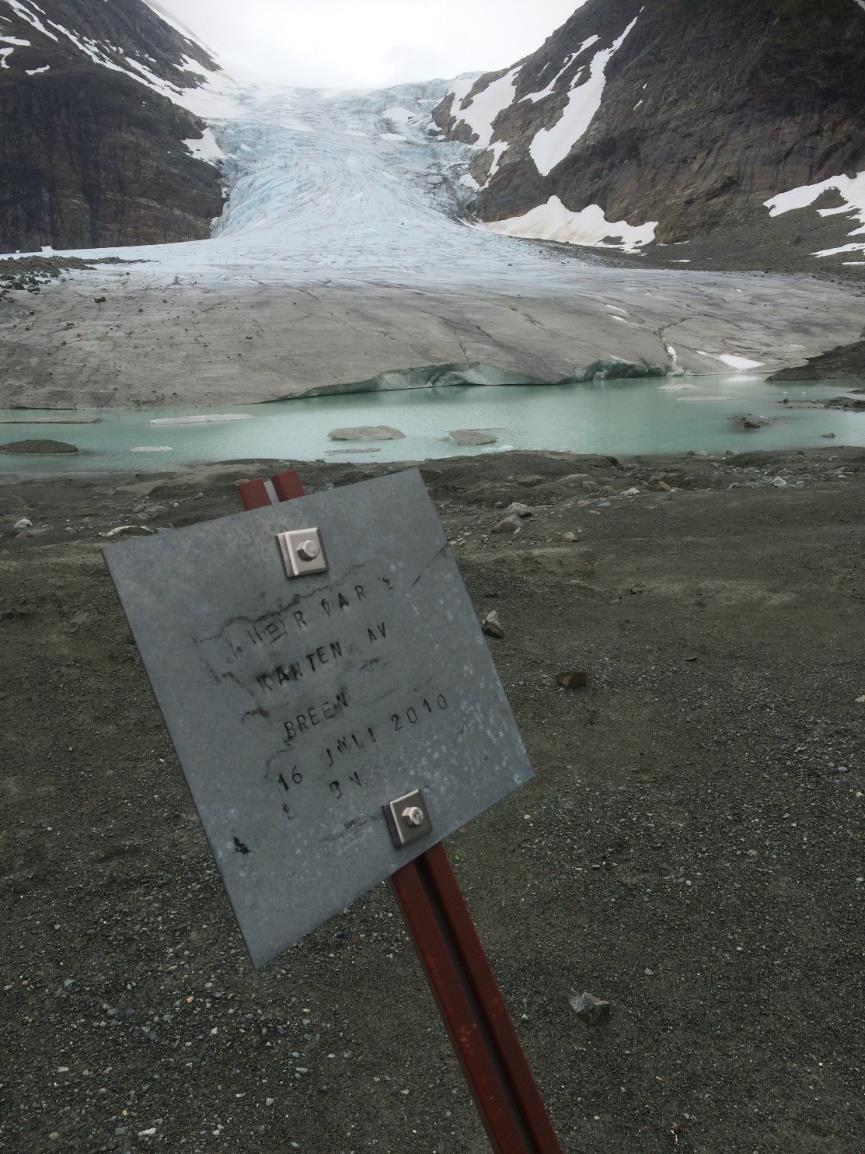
38 446
473 436
366 433
518 509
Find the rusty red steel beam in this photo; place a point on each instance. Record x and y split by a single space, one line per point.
457 969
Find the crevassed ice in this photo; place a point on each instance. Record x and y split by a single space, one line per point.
551 145
850 188
553 221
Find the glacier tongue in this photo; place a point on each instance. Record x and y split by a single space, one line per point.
342 256
322 187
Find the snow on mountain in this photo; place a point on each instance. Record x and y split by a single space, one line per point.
97 101
685 113
551 145
589 226
852 193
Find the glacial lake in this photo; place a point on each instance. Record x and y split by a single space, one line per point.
672 415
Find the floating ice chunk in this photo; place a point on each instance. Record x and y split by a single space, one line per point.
152 449
552 145
552 221
203 419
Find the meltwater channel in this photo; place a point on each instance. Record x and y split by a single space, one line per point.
611 417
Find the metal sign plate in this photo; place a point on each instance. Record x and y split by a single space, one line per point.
301 707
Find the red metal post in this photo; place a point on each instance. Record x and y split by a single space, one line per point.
457 969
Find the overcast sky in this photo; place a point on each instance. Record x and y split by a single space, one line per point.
367 43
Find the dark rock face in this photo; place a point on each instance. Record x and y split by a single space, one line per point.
845 361
707 111
89 156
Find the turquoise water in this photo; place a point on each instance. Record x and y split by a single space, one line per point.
669 416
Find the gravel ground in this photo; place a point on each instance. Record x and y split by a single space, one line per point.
691 848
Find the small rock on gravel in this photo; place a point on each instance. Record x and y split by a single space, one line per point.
592 1010
508 525
492 626
518 509
24 523
573 679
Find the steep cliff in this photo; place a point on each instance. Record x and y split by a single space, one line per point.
92 149
671 121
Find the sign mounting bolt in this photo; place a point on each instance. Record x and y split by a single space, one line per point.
309 550
408 818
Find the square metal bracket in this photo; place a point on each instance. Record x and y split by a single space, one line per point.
302 552
408 818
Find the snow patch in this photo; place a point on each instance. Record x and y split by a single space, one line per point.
483 108
742 364
498 150
5 53
550 88
552 221
205 148
551 145
38 71
26 14
850 188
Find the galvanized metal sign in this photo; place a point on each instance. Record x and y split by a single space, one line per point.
328 690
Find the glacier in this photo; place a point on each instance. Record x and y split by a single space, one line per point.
347 250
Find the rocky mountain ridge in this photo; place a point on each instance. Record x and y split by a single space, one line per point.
735 128
93 150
